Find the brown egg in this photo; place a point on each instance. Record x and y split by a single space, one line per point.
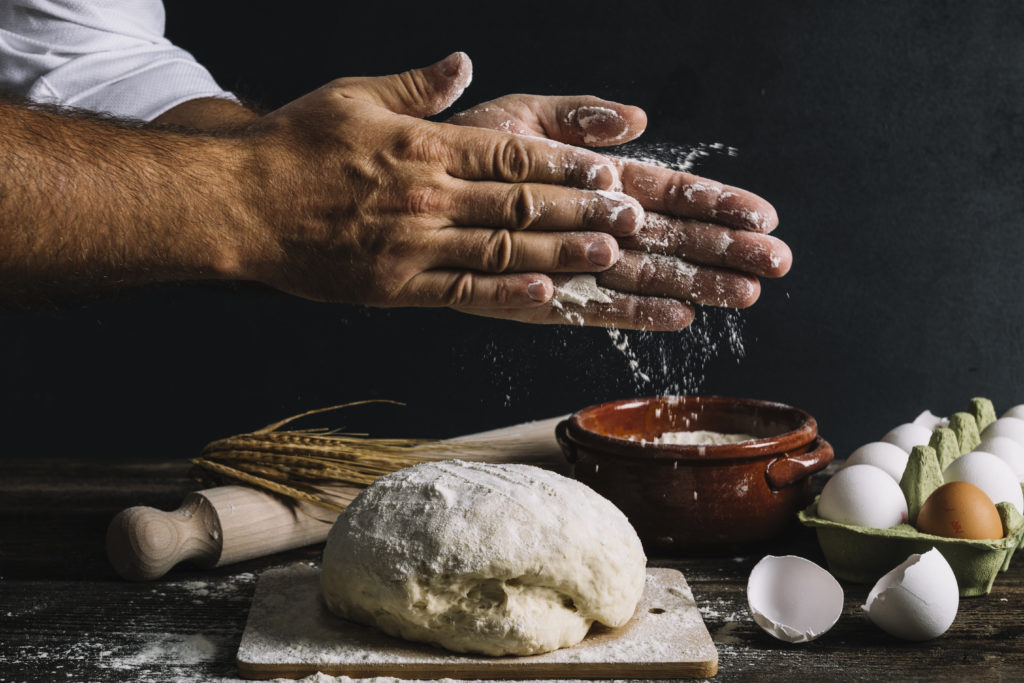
960 510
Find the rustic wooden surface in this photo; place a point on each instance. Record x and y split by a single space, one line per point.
65 616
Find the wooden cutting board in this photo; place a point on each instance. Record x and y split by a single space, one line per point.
290 633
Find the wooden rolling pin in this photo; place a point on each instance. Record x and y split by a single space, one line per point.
227 524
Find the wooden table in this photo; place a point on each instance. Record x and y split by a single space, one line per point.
65 615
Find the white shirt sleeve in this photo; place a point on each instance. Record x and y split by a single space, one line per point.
101 55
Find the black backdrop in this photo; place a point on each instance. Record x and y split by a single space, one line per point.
887 135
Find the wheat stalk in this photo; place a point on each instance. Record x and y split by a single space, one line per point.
318 466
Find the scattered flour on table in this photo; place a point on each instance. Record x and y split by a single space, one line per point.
324 678
177 649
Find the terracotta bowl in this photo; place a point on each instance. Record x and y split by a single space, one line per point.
688 497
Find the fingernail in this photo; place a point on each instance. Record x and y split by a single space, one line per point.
602 176
449 66
538 290
601 124
600 254
626 218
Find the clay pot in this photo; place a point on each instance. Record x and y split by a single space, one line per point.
688 497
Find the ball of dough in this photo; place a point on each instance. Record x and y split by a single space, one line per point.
483 558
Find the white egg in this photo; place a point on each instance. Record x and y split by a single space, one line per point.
863 495
990 474
929 420
908 435
1005 426
1008 450
1016 411
917 600
881 454
793 599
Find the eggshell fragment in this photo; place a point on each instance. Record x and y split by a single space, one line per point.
863 495
917 600
929 420
881 454
990 474
1007 450
908 435
1011 427
960 509
793 599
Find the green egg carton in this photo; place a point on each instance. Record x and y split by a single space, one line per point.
864 554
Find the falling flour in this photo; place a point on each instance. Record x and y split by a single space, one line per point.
677 363
655 362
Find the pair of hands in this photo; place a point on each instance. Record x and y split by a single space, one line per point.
360 200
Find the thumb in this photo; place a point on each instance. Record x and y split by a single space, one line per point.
418 92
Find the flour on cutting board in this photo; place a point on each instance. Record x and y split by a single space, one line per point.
290 627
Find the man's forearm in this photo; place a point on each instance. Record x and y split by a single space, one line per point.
87 203
208 114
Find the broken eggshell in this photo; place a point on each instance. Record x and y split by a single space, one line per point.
793 599
917 600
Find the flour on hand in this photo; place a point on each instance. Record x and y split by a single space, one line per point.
580 290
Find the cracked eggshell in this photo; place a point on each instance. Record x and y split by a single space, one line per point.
793 599
908 435
917 600
1007 450
863 495
1011 427
990 474
883 455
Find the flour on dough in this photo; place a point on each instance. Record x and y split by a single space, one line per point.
483 558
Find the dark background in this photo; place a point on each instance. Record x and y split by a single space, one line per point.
887 135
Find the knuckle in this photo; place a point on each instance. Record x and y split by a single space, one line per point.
410 143
414 86
424 201
499 252
504 294
591 212
513 160
461 290
647 274
521 208
563 255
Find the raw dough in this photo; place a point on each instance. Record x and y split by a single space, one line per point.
483 558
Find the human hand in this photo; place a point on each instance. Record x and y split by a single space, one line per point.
359 200
701 241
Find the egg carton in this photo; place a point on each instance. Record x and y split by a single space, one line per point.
864 554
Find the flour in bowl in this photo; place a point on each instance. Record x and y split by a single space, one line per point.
702 437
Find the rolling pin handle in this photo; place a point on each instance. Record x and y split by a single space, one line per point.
143 543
